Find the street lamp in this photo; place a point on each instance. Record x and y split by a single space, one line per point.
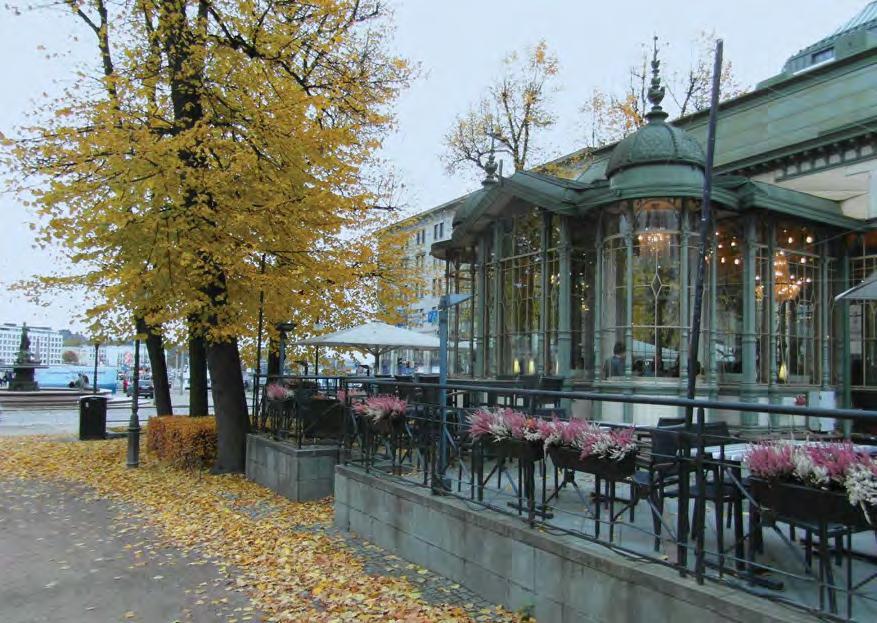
283 328
317 327
134 422
445 303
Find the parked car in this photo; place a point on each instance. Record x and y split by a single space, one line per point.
144 388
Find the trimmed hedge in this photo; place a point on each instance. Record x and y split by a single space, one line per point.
182 441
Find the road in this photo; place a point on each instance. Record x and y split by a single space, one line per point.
66 421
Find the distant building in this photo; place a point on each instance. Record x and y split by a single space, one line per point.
114 355
426 228
45 343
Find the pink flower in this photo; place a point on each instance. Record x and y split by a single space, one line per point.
276 391
382 406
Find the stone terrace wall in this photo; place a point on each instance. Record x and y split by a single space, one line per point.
300 474
563 579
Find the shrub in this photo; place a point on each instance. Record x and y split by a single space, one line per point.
182 441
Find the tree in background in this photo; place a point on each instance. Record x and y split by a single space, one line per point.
223 131
509 117
611 117
69 356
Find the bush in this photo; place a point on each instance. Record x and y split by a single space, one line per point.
182 441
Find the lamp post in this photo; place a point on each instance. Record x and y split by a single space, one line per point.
317 327
283 328
259 341
134 422
445 303
96 351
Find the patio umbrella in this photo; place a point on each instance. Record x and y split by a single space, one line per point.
865 291
375 338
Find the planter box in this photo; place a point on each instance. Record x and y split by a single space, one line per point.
385 426
568 458
516 449
808 504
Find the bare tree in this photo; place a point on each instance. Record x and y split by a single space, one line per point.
507 118
610 117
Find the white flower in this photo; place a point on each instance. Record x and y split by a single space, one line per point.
808 472
861 486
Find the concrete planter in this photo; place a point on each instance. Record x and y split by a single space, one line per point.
299 474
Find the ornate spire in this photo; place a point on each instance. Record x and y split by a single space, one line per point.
656 91
491 165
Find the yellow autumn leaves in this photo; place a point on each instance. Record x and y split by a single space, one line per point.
293 568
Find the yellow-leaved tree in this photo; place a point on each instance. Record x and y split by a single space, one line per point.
223 131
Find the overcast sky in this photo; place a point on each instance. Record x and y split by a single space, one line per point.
459 45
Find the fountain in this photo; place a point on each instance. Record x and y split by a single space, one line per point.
24 367
24 391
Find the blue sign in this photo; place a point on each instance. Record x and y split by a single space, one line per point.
432 316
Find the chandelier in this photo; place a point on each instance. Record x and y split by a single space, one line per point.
654 241
785 286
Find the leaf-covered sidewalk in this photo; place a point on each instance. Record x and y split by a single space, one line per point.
284 555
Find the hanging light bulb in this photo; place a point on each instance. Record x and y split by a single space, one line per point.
783 374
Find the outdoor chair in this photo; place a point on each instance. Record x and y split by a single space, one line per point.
720 489
661 470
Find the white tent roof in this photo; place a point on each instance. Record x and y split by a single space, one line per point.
865 291
375 338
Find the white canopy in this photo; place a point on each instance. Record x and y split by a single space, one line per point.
375 338
865 291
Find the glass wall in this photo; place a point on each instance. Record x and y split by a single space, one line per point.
583 264
520 341
648 260
863 316
728 332
632 270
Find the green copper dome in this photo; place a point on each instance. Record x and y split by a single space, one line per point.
657 142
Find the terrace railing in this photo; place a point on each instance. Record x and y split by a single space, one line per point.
685 499
311 409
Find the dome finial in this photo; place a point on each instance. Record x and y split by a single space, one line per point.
491 165
656 91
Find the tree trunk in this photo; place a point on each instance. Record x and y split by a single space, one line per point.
160 384
230 405
197 374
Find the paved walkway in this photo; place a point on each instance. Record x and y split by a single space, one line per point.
69 558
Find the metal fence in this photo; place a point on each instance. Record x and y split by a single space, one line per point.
310 412
684 500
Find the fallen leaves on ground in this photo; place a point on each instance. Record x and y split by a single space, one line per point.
292 571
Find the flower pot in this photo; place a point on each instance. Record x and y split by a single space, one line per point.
517 449
565 457
801 503
386 425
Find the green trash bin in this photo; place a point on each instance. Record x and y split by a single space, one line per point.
92 417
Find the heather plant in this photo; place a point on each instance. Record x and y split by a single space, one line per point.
506 423
276 391
382 407
589 439
835 466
